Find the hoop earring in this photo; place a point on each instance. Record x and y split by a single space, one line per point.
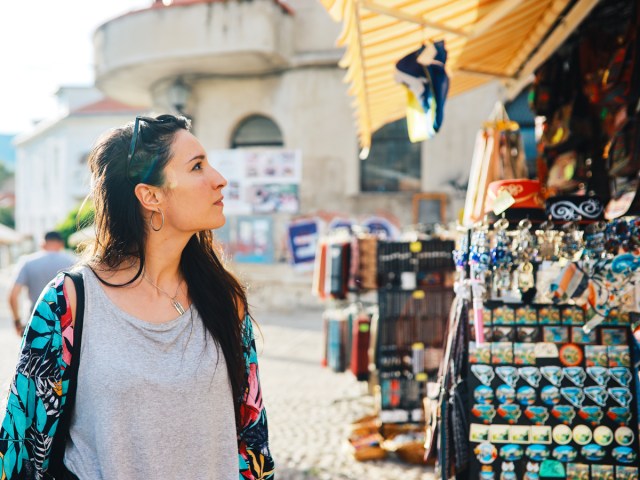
151 221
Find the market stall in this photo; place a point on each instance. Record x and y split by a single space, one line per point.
539 373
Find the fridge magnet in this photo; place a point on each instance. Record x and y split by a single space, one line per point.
511 452
548 315
484 373
620 415
601 472
576 375
524 354
478 432
531 375
582 434
546 350
619 356
537 452
521 434
540 434
486 453
511 413
572 316
571 355
614 336
574 395
550 395
564 413
624 455
498 433
624 436
562 434
501 353
505 394
622 375
599 374
508 374
626 473
526 396
591 414
577 471
621 395
553 373
603 436
565 453
593 452
596 355
555 334
528 334
485 413
578 335
598 394
536 414
483 395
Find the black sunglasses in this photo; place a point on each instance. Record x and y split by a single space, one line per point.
136 133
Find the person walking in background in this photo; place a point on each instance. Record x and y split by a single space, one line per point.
34 271
167 379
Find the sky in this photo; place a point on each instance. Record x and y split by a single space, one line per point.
45 44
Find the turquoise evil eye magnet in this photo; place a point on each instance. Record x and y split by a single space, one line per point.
511 413
574 395
591 414
484 373
526 396
531 375
483 395
484 412
624 454
598 394
593 452
536 414
576 375
537 452
621 395
620 415
564 413
550 395
552 373
600 375
486 453
505 394
508 374
622 375
511 453
565 453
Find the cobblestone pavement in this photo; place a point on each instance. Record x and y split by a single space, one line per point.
309 407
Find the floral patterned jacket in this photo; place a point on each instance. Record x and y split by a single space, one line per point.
39 389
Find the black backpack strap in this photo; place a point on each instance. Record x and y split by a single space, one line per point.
56 466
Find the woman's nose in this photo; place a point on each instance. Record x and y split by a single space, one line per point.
218 180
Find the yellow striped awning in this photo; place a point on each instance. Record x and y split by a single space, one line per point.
485 40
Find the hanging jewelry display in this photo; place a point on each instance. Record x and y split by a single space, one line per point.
501 258
548 241
572 243
525 250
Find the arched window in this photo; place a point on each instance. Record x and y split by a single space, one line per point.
394 163
257 131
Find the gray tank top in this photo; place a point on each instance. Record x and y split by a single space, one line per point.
153 400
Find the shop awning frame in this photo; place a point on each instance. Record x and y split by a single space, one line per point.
487 40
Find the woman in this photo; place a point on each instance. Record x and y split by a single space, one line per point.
167 384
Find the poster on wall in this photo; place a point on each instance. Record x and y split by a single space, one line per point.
302 240
252 240
260 181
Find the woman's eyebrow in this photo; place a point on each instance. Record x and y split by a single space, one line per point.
200 156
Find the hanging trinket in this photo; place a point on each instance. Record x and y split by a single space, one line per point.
479 253
547 238
525 250
594 247
501 257
572 243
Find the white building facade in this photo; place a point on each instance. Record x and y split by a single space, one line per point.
52 177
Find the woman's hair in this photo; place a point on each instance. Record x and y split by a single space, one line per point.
121 232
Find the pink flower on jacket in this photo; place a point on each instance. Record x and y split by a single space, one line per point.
252 407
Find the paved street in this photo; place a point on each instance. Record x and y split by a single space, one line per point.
309 407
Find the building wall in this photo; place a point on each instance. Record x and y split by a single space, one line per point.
52 176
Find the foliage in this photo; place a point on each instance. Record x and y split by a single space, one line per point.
7 216
80 217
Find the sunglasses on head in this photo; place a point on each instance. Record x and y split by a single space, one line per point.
136 133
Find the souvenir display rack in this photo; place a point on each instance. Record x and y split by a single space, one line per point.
549 383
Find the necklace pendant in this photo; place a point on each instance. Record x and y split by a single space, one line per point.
178 306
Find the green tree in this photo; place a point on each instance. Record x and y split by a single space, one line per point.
80 217
7 217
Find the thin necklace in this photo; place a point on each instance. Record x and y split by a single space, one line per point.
174 301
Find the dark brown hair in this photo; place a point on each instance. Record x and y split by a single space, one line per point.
121 233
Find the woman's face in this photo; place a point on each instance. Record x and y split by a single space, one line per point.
194 188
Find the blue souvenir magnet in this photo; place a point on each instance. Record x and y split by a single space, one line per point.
537 452
550 395
624 455
486 453
484 412
531 375
597 394
574 395
591 414
509 375
505 394
599 374
622 375
593 452
577 375
564 413
484 373
483 395
536 414
526 396
565 453
621 395
511 413
511 453
620 415
552 373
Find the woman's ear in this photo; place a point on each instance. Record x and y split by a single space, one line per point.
150 197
